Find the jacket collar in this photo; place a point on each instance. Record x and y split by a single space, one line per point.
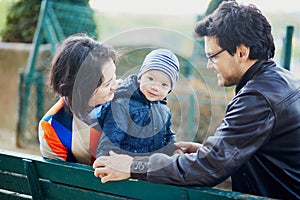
250 73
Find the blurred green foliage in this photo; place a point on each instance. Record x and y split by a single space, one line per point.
4 6
22 19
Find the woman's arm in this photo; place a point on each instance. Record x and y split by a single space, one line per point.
50 144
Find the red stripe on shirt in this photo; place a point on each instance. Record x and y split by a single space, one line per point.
94 141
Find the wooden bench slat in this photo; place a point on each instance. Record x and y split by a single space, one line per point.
13 161
52 179
51 191
14 182
73 175
8 195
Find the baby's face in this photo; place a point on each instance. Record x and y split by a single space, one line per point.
155 85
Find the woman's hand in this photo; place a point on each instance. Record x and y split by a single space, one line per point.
112 168
188 147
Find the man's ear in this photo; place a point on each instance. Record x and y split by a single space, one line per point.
243 52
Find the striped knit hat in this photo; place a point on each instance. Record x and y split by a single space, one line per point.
163 60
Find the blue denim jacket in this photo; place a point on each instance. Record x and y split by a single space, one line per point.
135 126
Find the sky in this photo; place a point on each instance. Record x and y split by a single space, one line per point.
180 7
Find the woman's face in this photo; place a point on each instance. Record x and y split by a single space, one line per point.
105 92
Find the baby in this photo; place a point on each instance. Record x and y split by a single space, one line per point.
138 121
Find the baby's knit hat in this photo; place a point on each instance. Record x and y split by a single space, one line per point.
163 60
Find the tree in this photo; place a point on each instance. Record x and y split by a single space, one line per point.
21 21
23 16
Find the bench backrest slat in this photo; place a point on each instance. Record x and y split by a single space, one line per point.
61 191
24 175
14 182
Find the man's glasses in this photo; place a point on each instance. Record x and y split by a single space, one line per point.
212 57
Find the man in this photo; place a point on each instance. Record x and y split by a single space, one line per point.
258 142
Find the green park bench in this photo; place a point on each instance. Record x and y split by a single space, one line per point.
25 176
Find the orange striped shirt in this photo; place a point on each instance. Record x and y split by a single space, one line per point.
67 138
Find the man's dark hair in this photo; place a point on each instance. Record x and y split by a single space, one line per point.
234 24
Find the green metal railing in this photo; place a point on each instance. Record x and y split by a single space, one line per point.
287 48
57 19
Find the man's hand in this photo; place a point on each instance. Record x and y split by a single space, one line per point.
112 168
188 147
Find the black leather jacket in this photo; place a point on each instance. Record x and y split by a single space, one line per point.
257 144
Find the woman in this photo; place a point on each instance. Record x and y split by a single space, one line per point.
83 75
